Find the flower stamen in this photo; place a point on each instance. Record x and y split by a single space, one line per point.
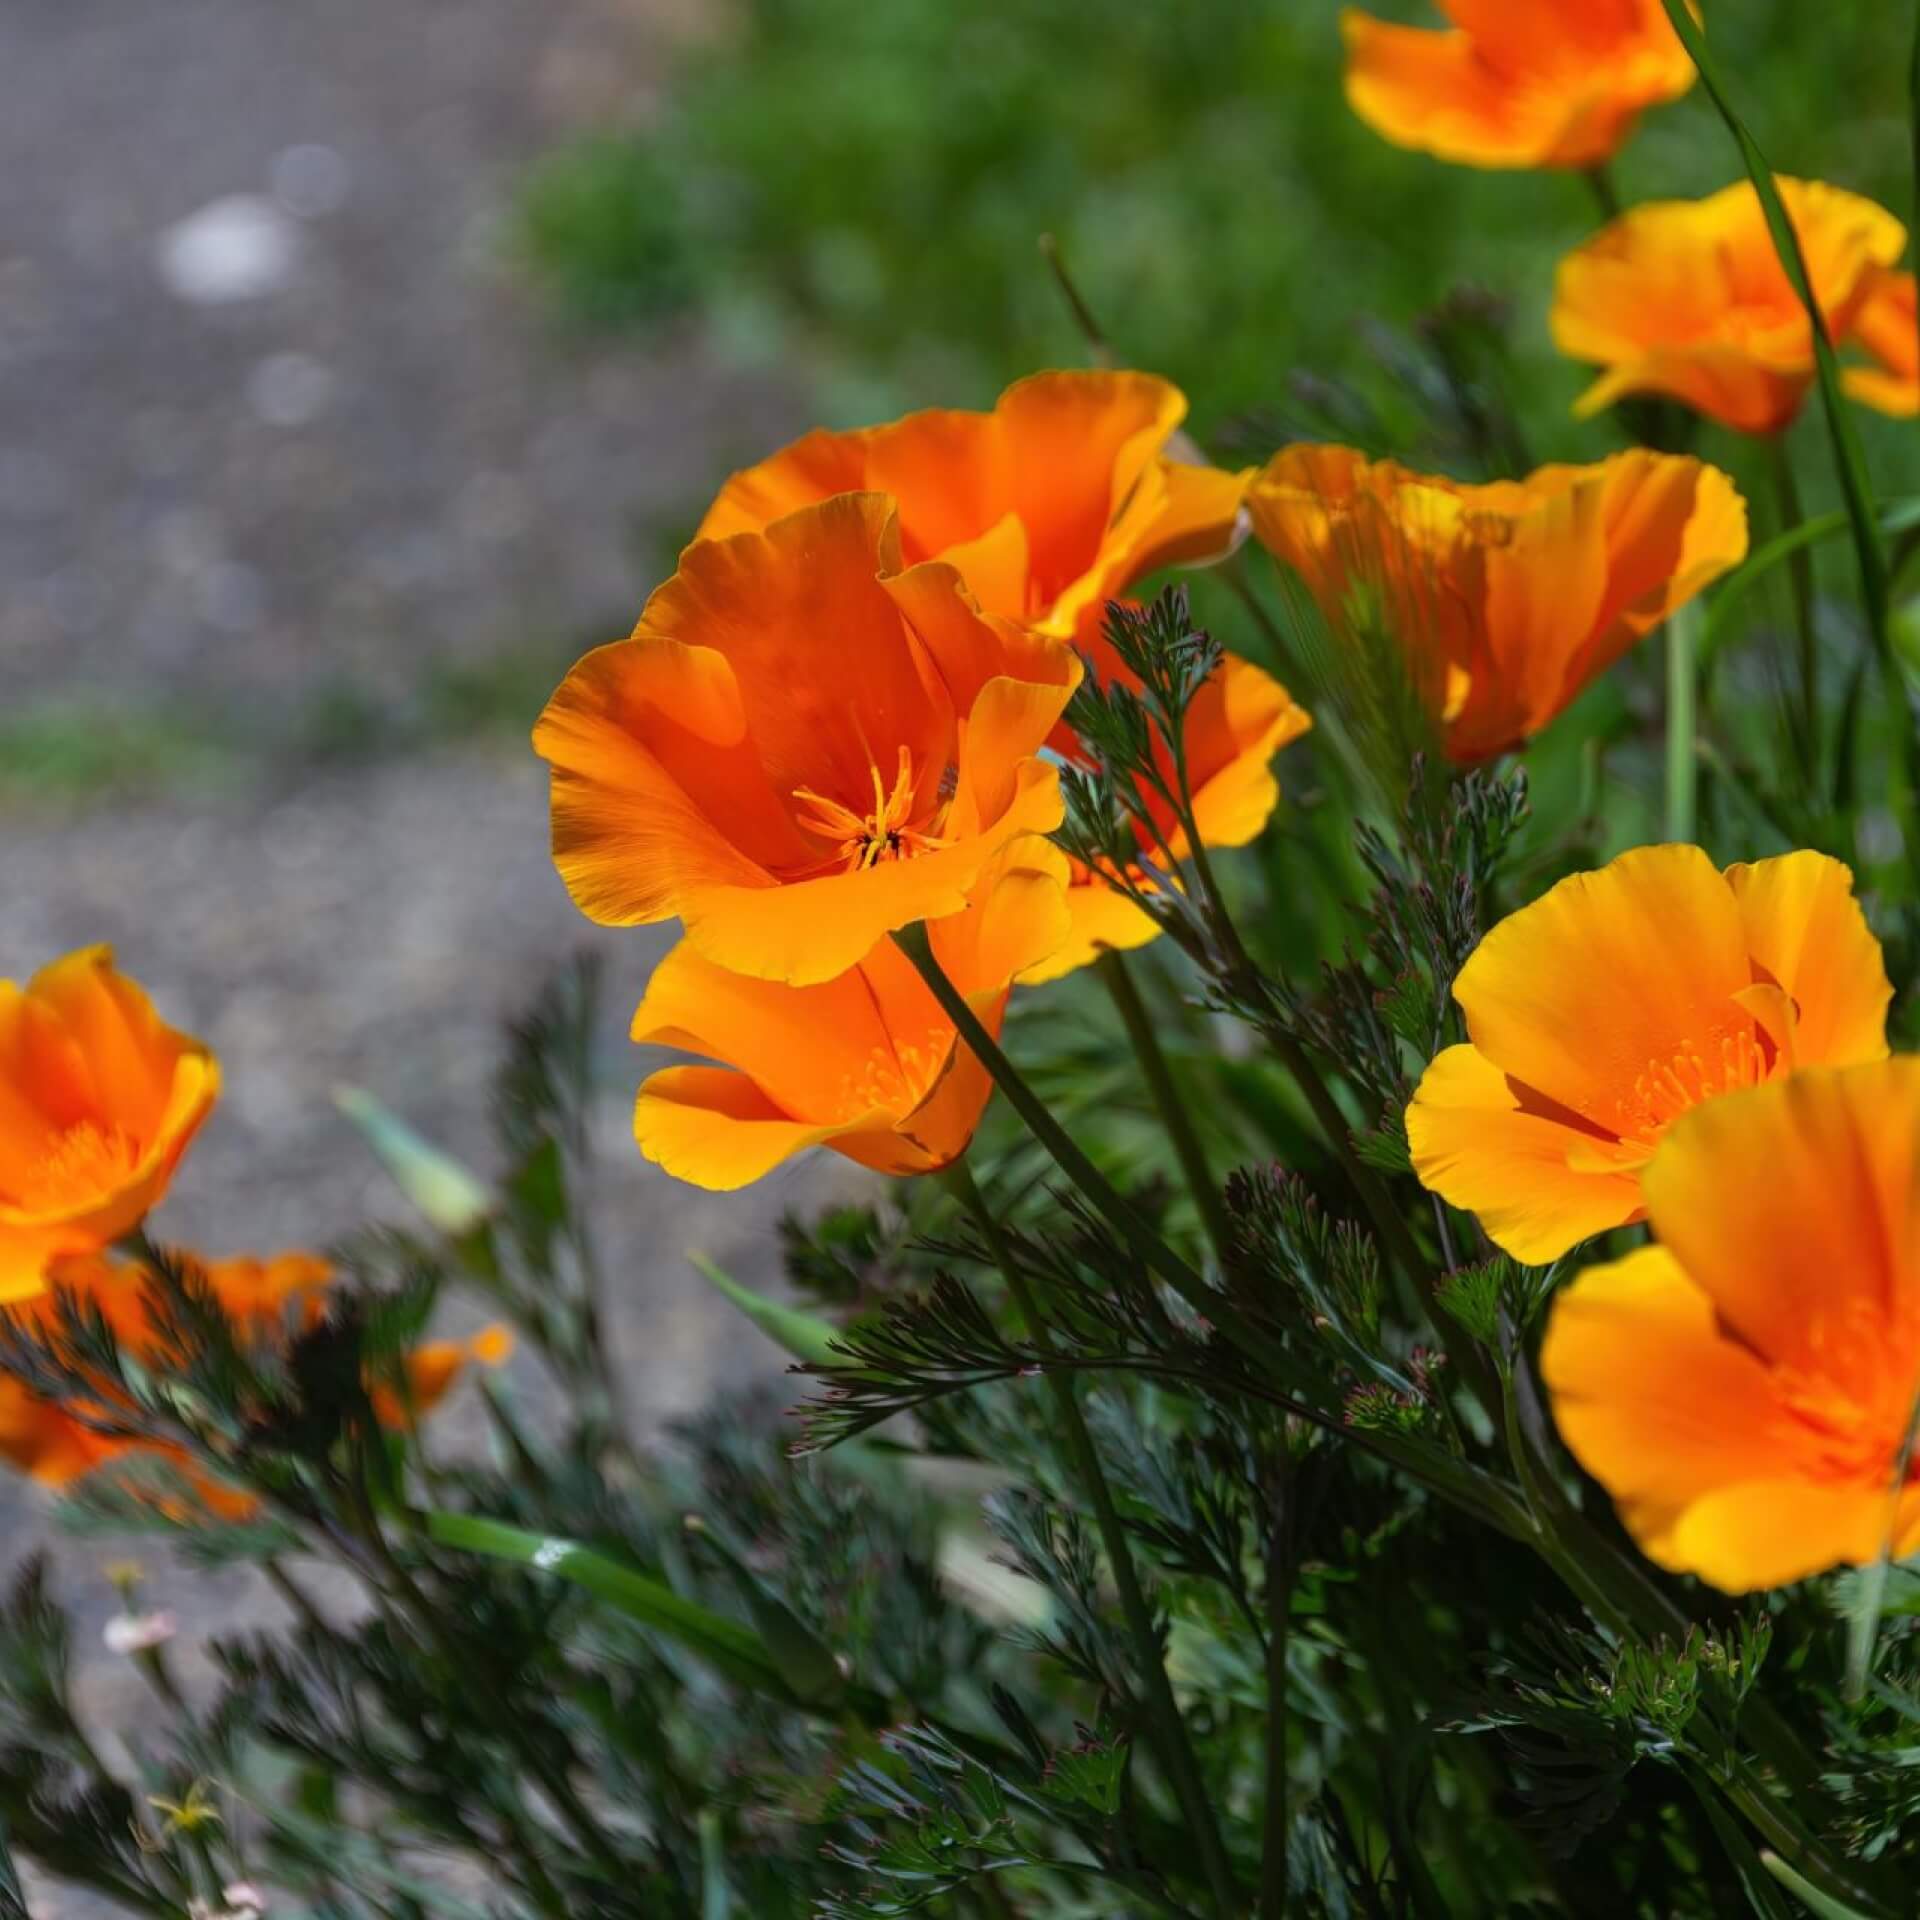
865 840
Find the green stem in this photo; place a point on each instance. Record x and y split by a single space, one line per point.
1800 570
1856 486
1099 349
1163 1711
1153 1252
1683 762
1273 1850
1605 193
1119 982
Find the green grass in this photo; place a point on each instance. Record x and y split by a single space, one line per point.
66 752
858 189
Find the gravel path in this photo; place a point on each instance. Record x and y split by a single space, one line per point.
275 420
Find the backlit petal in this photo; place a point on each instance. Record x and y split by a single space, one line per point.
1803 925
1607 975
1475 1144
1657 1403
1795 1203
717 1129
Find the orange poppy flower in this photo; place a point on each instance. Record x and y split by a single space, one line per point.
1050 506
1744 1389
1887 326
1687 298
1551 83
1615 1003
1056 501
99 1098
866 1063
803 746
1238 722
1505 599
43 1439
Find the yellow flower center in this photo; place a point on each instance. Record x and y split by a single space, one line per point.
1854 1395
864 840
896 1077
1721 1062
82 1163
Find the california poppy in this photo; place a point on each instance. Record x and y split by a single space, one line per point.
1049 506
1618 1001
265 1298
1068 492
1887 327
1744 1389
866 1063
1688 299
805 745
1505 599
99 1098
1550 83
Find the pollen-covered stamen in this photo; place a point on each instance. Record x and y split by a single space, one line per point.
1720 1063
887 833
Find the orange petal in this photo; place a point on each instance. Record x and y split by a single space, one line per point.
806 1047
630 722
1076 445
1432 92
1607 975
810 930
1238 721
1803 925
1544 585
788 609
1672 526
1886 325
1810 1183
1475 1143
812 469
1099 918
716 1129
429 1372
1681 1425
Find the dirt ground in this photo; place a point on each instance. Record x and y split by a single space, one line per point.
274 418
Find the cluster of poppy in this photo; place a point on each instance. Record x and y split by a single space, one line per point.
99 1101
844 715
1660 1040
1686 299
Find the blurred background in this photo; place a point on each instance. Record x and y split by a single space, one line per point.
362 362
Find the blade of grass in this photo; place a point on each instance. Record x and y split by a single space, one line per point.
738 1652
1849 458
1856 487
1683 763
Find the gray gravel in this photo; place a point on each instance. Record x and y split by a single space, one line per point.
275 419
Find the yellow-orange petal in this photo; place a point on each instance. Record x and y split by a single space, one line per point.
629 723
810 930
1721 382
1803 925
1527 1174
1606 976
814 468
1810 1182
1887 326
428 1373
1099 919
1672 526
1238 721
714 1128
1431 91
1676 1420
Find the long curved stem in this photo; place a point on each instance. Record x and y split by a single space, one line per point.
1125 993
1163 1711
